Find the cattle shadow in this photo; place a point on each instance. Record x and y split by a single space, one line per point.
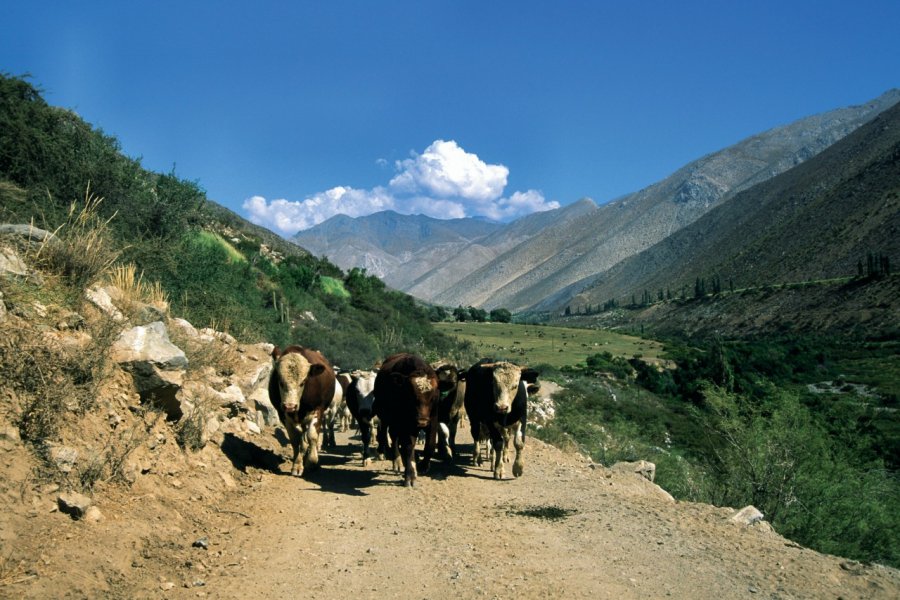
243 454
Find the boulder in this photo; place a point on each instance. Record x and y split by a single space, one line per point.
644 468
149 344
748 515
63 457
101 298
74 504
11 264
156 365
259 401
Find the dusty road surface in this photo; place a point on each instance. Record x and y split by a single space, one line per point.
565 529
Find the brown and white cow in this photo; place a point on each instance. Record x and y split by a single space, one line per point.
496 402
406 398
301 389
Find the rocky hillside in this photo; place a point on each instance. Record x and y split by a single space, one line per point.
818 221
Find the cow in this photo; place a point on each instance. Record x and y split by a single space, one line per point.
360 399
452 384
342 413
301 388
331 416
496 402
406 398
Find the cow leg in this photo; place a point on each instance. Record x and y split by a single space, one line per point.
444 440
475 429
295 435
395 452
408 453
500 441
451 435
365 432
311 456
519 442
381 437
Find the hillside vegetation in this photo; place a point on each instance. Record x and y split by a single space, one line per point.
214 268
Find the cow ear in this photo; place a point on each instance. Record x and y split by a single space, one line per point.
529 375
276 352
316 370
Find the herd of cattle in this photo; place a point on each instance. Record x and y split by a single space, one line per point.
406 397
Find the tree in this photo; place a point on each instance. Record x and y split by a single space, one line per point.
479 315
460 314
501 315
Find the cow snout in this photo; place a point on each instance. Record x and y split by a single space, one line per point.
502 409
290 408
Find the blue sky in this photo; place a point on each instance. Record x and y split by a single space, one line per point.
288 112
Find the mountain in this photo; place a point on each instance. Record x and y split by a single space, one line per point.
814 222
521 264
541 265
397 248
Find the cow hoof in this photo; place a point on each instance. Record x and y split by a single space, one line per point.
297 472
498 474
517 471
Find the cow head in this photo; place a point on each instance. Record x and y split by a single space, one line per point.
448 377
293 371
423 388
363 386
506 377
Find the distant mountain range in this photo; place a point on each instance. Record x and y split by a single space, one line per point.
545 259
817 221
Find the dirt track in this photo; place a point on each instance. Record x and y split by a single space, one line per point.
353 532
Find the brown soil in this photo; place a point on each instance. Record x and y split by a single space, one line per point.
349 531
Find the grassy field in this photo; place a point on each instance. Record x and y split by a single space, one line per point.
557 346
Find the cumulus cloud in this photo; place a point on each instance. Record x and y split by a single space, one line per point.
447 171
443 182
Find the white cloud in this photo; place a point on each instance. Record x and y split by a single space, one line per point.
289 217
443 182
447 171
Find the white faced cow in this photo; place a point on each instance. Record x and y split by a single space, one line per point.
496 401
360 400
301 389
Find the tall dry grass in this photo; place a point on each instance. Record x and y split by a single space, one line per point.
81 249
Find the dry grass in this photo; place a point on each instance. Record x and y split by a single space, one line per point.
80 249
12 571
135 291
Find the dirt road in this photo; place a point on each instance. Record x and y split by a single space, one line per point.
354 532
234 524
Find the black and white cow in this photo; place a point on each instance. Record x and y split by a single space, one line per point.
360 401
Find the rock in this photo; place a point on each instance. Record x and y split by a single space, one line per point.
184 327
2 308
155 364
63 457
260 401
255 378
10 433
149 344
93 515
253 427
218 335
29 233
11 264
74 504
748 516
201 543
644 468
100 298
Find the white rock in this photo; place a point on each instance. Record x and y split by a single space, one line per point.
748 515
